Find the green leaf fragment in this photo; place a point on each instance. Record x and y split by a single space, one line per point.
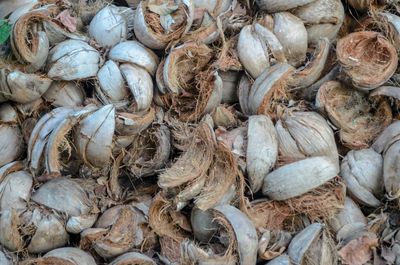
4 30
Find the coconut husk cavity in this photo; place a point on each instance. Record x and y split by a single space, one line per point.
358 118
367 58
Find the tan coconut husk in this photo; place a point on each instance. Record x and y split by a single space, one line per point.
367 58
273 243
223 173
184 63
358 118
148 152
24 41
275 100
190 105
154 26
321 203
170 249
162 222
378 22
267 214
194 162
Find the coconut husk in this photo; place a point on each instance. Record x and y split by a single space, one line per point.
321 203
148 152
358 118
273 243
191 104
267 214
367 58
274 96
194 162
25 45
379 22
153 24
161 219
193 254
223 173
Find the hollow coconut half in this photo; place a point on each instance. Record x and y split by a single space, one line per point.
358 118
367 59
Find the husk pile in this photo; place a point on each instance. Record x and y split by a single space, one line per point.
199 132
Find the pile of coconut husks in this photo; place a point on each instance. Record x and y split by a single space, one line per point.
205 132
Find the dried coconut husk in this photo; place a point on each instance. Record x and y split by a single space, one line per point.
237 233
116 231
313 245
194 162
311 72
28 46
273 243
321 203
149 28
193 254
201 96
183 64
385 23
148 152
163 220
268 93
358 118
127 123
267 214
223 173
367 58
362 5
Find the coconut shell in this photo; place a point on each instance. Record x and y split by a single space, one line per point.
64 195
203 224
303 241
230 81
273 243
111 87
35 50
254 60
311 73
49 234
25 88
123 231
262 150
140 84
362 170
148 27
362 66
299 177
